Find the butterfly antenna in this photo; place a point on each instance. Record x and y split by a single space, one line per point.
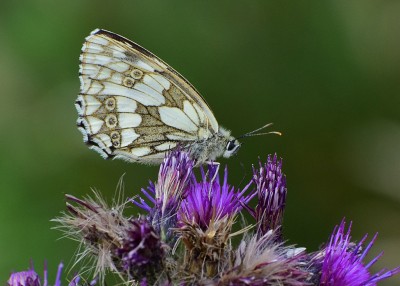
259 134
253 133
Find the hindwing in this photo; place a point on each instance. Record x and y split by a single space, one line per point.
134 106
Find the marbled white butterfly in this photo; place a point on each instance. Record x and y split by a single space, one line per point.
134 106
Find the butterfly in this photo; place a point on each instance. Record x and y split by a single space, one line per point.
134 106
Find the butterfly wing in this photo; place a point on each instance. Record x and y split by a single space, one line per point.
134 106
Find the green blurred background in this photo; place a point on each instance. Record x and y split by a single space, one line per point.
325 72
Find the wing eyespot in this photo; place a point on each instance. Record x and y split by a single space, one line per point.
115 139
110 103
136 74
111 121
115 135
116 143
128 82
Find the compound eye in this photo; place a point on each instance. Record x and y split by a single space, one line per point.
230 146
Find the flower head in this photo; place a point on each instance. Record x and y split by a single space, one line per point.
31 278
261 261
98 227
24 278
166 195
173 178
205 220
343 261
141 253
210 200
271 191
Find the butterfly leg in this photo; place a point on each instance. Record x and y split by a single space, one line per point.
214 175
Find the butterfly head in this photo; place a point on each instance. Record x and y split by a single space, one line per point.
233 145
231 148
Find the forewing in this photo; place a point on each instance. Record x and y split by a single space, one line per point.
134 106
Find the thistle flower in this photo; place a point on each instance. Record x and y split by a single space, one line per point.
25 278
262 261
114 242
100 229
31 278
141 252
166 195
271 192
209 200
343 261
205 220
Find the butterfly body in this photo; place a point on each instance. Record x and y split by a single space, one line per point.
214 147
134 106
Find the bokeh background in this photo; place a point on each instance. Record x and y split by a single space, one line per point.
325 72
